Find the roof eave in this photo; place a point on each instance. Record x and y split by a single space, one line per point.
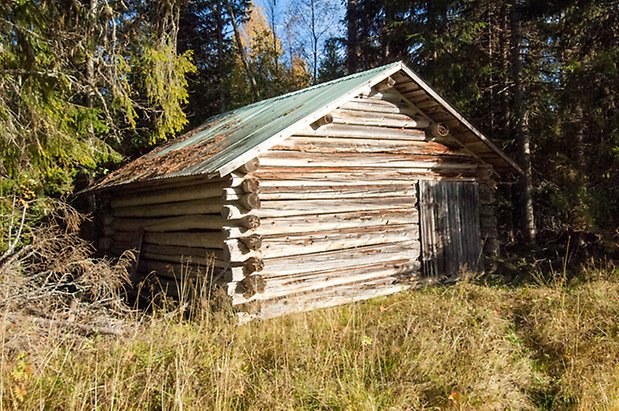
461 118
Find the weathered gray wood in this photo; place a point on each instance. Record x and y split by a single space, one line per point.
450 233
304 207
204 239
279 287
386 148
341 192
340 173
363 131
180 223
171 194
394 120
301 244
396 253
377 106
182 208
334 221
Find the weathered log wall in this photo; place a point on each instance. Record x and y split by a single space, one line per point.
338 206
175 227
327 216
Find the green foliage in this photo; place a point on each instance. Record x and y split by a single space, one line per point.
568 87
165 83
74 88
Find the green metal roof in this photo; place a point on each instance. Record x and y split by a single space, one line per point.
227 141
226 137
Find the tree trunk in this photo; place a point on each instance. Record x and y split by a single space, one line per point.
521 129
241 49
220 57
352 43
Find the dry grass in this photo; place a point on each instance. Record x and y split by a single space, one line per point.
463 347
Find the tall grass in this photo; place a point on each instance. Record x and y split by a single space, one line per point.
462 347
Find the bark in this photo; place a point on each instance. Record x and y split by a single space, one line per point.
353 53
242 54
521 130
220 58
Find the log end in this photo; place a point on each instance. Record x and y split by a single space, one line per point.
252 242
438 130
250 185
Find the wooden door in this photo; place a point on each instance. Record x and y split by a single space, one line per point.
449 221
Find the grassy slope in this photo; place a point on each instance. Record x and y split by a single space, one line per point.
463 347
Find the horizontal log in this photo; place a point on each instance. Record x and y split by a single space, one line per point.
324 298
369 118
182 259
205 239
171 270
341 192
363 131
275 288
232 212
204 190
377 106
276 208
301 244
400 253
190 222
287 159
334 175
236 231
208 206
161 184
337 221
176 271
386 148
326 294
200 254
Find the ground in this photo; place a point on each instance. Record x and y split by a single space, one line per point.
552 344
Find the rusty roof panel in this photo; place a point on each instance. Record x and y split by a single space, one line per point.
224 140
224 137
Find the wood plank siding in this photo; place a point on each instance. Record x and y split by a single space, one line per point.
449 217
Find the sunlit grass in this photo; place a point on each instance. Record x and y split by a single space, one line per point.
462 347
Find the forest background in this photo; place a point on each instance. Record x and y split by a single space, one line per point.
86 85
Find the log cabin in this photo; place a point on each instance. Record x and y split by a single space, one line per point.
355 188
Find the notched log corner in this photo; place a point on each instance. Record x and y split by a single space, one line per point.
251 285
252 242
